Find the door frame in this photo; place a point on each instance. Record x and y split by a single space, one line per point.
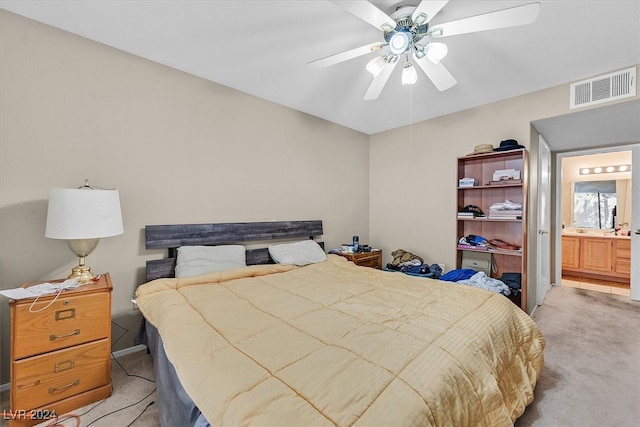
557 235
634 226
543 236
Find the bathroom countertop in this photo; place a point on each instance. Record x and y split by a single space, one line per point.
593 234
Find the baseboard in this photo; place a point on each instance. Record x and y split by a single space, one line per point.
533 312
126 351
115 354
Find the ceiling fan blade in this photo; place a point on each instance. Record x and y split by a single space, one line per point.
368 13
346 55
378 83
437 73
429 8
519 15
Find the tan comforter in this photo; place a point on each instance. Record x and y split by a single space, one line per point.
336 344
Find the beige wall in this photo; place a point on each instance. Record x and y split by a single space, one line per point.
178 148
413 170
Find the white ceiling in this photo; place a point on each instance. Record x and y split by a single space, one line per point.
263 47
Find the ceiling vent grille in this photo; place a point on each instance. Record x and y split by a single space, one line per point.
608 87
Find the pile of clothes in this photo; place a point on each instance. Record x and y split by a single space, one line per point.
478 279
411 264
508 284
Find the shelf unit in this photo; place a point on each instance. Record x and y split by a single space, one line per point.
481 167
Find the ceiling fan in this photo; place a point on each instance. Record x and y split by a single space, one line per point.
407 33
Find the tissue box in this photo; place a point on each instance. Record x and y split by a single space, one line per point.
467 182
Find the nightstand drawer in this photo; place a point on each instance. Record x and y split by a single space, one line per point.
44 379
70 320
369 261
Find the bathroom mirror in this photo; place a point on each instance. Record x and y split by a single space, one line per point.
602 204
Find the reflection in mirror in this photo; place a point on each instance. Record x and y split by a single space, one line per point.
594 204
623 190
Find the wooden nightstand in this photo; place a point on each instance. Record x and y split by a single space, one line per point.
371 259
60 356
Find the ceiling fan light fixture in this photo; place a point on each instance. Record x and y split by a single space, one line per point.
399 42
436 32
408 26
409 74
386 28
420 19
376 65
435 51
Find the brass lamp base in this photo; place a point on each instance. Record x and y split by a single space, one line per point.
82 248
82 273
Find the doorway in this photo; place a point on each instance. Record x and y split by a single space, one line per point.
593 244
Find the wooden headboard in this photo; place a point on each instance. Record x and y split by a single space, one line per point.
173 236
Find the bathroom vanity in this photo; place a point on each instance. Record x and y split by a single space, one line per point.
597 256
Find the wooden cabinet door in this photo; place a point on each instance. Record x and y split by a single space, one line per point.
596 254
570 252
623 257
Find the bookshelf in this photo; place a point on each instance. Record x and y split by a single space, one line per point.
508 226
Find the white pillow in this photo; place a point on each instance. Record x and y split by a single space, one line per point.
298 253
197 260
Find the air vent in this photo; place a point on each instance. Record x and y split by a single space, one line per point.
620 84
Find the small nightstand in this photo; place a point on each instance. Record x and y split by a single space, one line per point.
61 355
371 259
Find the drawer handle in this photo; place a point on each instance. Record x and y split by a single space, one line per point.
69 313
55 337
64 365
63 388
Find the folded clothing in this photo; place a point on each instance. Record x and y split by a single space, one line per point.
481 280
456 275
507 205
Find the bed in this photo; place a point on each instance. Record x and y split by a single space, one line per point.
328 343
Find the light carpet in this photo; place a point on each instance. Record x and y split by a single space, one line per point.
591 375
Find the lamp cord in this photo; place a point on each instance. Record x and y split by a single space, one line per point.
31 310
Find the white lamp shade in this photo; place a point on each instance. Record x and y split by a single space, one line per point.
436 51
409 74
376 65
83 214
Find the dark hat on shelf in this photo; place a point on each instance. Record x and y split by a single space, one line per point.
508 144
473 208
482 149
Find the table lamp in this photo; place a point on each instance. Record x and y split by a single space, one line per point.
82 216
